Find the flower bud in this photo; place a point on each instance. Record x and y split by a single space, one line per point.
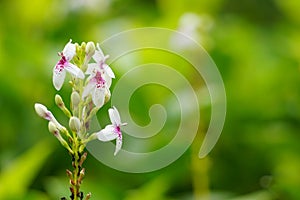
75 99
60 103
53 129
74 124
107 96
69 174
81 175
90 49
83 158
88 196
81 148
43 112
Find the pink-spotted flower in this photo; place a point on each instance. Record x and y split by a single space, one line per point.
100 64
98 87
113 131
63 65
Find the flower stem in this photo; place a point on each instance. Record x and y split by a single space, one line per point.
78 173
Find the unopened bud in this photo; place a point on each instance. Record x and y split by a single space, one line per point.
74 124
60 103
53 129
90 49
81 148
43 112
88 196
83 45
107 96
72 182
69 174
83 158
75 99
81 175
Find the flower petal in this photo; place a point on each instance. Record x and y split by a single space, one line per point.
118 144
107 134
88 89
58 78
107 79
91 68
69 50
114 116
98 56
109 71
74 70
98 96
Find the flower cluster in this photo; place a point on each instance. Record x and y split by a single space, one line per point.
94 87
91 79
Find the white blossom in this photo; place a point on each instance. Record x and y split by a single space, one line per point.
63 65
113 131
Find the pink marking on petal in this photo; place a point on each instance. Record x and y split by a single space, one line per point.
118 131
98 79
48 116
60 66
101 63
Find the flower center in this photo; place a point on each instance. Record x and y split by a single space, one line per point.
61 64
118 129
100 82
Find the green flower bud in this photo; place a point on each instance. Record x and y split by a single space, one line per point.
107 96
90 49
75 99
53 129
88 196
74 124
60 103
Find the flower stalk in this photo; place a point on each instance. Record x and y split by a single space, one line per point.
90 84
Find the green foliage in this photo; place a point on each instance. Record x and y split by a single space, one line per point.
255 45
18 176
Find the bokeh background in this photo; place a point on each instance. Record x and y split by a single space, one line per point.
255 45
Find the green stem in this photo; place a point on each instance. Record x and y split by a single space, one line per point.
77 172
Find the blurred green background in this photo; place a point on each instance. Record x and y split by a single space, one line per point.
255 45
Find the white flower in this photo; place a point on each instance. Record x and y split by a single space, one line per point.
100 63
100 78
63 65
98 87
113 131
